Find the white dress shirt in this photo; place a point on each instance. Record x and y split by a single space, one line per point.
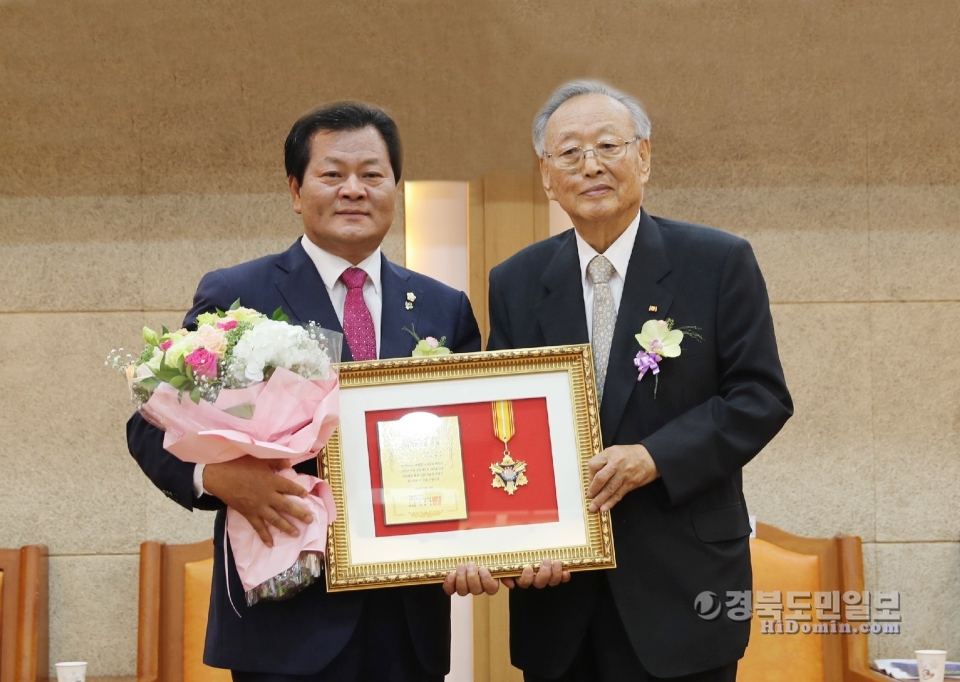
619 256
330 268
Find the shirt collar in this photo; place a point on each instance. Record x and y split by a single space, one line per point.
618 253
331 267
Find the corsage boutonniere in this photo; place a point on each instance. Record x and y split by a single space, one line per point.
428 346
659 339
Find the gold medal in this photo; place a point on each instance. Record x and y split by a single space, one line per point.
508 474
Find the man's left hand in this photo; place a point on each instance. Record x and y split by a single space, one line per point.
468 579
616 471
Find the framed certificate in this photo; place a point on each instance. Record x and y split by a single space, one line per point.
475 457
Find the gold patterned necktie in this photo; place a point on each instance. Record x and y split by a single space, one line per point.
600 270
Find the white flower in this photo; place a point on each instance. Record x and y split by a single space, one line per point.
273 344
152 365
143 371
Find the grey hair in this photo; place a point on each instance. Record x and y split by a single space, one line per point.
641 122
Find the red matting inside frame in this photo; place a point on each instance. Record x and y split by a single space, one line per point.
487 506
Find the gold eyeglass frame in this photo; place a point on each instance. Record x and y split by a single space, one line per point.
576 361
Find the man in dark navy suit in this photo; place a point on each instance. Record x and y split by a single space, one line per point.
675 442
343 162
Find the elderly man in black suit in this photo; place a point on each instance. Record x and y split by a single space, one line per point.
676 441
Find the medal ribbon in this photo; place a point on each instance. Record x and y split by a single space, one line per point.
503 422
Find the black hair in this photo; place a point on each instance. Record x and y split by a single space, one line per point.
339 116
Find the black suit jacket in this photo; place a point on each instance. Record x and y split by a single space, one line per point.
301 635
717 405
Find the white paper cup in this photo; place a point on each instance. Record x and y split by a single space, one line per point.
76 671
930 664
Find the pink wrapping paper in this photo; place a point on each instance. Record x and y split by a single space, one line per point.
255 561
292 419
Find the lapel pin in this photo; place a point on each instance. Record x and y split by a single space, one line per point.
652 309
411 297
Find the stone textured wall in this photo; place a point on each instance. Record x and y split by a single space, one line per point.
141 146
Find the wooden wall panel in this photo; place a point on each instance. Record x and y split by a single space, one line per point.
476 257
481 638
541 209
508 212
507 216
491 639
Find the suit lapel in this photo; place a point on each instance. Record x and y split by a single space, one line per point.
561 314
395 284
306 295
641 290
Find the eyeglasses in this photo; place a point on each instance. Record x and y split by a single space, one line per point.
609 149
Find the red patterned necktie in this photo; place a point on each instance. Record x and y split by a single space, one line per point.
357 321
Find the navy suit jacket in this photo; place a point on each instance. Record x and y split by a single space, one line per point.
716 406
303 634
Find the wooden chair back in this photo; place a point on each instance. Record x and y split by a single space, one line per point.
174 603
175 592
856 656
23 614
786 562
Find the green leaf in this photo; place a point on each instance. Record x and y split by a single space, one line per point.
221 313
235 305
195 395
165 331
178 381
181 363
280 316
189 371
150 383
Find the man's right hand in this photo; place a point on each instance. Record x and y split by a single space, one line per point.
252 487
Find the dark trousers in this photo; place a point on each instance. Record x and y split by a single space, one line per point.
606 654
380 649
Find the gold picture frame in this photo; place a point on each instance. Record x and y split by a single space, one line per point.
558 381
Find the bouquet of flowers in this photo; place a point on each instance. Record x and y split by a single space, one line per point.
245 384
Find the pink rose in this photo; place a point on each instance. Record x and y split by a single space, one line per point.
227 326
432 342
203 363
165 345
